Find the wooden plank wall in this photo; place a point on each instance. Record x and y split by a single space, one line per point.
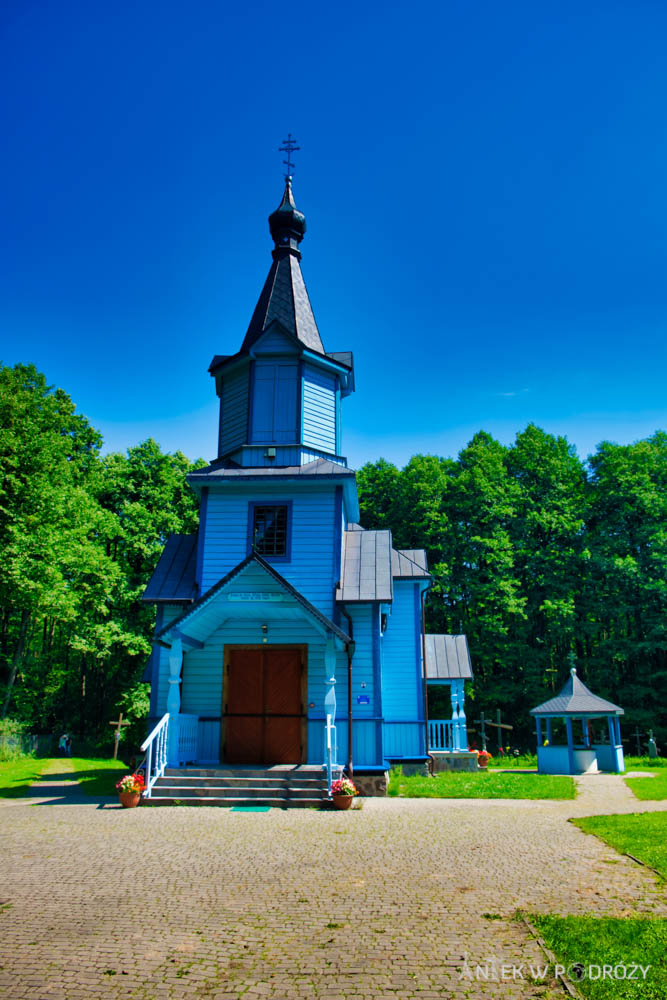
319 410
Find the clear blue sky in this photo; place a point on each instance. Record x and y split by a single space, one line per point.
485 186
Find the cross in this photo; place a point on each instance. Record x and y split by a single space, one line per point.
289 146
117 723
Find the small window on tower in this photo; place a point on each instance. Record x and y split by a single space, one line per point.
269 530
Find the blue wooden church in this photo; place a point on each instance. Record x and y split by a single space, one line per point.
286 633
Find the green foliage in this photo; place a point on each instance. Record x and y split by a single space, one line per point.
480 785
543 561
80 536
644 835
11 739
594 942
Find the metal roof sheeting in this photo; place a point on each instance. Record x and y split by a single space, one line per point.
408 563
320 467
174 575
366 568
576 699
447 658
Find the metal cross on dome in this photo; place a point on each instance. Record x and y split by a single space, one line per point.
289 146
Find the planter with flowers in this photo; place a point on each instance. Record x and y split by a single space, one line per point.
129 790
483 758
343 791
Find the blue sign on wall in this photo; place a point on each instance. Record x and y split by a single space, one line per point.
363 699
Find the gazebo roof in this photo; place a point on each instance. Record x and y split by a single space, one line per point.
576 699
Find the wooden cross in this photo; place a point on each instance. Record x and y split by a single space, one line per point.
289 146
117 723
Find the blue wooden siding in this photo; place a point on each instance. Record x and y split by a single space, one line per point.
255 456
402 695
319 409
400 669
311 565
274 402
404 739
233 411
274 342
367 725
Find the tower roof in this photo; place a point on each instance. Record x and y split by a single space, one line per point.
284 297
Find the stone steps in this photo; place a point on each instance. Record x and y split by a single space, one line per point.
281 786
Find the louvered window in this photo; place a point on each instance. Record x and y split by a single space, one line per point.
269 530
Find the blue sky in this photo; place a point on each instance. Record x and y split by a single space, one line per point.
485 187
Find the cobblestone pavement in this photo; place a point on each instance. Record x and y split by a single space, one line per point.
383 902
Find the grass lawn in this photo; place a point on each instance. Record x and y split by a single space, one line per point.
481 785
526 760
16 776
98 775
644 763
619 944
643 835
649 789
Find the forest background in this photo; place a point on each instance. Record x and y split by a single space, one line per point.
542 559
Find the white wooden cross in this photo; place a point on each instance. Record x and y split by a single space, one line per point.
117 723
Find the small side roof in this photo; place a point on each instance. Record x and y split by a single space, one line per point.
174 577
447 658
576 699
366 567
409 563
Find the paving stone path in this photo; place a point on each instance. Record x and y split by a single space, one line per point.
384 902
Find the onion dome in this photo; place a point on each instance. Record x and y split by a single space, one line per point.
287 223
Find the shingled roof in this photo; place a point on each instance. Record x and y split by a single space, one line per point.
447 658
366 568
576 699
174 577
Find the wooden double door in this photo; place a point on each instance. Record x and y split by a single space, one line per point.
264 699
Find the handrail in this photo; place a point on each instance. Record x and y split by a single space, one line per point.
330 731
156 757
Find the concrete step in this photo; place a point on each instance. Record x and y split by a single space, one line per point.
241 792
184 780
285 771
227 802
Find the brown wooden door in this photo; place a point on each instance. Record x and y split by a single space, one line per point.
264 710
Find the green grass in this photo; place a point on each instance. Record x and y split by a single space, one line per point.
643 835
16 776
98 775
594 942
526 760
644 763
649 789
481 785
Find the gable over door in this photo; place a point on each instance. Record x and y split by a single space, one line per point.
264 705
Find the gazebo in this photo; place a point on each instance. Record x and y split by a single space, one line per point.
577 705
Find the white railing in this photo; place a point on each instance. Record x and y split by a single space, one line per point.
188 726
330 750
441 734
155 748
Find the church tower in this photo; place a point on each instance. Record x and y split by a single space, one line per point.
280 394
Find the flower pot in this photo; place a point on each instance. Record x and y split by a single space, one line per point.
483 763
342 801
129 800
